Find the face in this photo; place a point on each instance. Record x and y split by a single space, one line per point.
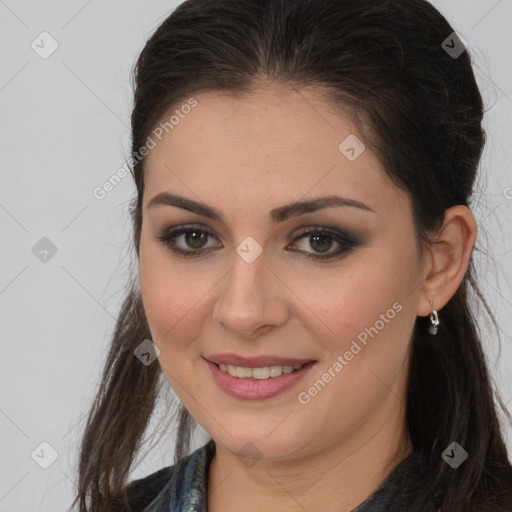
332 287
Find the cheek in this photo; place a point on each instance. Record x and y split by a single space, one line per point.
345 304
173 318
362 325
363 368
171 298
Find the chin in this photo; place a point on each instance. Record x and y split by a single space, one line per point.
264 442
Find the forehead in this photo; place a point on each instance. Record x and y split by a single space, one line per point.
276 142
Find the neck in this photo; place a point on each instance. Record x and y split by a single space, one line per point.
337 478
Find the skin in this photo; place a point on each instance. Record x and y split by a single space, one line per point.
244 157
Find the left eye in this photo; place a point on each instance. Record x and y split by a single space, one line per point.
195 239
321 240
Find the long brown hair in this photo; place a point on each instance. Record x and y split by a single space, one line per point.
420 109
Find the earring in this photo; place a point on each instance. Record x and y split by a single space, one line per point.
434 321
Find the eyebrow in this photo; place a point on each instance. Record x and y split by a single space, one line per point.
279 214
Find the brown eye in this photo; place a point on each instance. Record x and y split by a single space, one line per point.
195 239
321 239
321 242
193 243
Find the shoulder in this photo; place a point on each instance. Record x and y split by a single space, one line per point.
144 490
183 477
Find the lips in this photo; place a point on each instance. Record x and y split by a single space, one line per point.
254 362
256 389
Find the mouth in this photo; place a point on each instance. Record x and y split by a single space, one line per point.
257 373
257 378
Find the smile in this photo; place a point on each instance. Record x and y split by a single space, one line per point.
262 373
257 382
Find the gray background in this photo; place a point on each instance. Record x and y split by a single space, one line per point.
64 131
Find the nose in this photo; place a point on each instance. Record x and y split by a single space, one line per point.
252 299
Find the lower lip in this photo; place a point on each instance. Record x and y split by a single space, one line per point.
254 389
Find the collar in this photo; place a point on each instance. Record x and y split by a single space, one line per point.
186 491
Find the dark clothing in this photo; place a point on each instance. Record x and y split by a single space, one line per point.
183 487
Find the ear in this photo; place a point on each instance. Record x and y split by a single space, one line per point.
447 259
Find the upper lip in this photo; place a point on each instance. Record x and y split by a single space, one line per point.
255 362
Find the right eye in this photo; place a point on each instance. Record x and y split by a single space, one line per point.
193 240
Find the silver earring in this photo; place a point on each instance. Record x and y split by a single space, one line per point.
434 321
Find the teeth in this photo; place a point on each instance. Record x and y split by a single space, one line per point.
262 373
244 373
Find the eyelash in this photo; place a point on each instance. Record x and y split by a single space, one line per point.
347 243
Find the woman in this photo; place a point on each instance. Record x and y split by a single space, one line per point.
304 171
